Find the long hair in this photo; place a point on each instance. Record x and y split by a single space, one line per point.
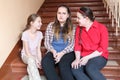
30 19
87 12
67 28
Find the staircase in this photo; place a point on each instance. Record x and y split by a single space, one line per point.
48 12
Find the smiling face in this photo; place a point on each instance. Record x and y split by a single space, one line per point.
37 23
62 14
81 19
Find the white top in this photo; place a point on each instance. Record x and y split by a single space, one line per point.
32 44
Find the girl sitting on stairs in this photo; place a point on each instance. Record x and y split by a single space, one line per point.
91 43
59 41
31 54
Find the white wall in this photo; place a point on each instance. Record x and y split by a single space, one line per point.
13 15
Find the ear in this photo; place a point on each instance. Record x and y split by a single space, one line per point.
31 23
87 18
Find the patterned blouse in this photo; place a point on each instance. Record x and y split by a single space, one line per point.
49 38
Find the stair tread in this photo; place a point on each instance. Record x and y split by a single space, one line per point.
74 1
111 64
47 4
54 9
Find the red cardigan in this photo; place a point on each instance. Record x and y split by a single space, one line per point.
96 38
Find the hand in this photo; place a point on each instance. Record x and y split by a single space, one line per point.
54 53
84 60
75 64
38 63
58 56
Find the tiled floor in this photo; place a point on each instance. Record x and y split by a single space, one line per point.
112 63
26 78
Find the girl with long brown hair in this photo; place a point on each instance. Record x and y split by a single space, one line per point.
59 41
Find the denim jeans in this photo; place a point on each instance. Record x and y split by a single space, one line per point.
64 67
91 71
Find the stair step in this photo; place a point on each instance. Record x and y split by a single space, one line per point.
73 1
71 4
52 14
73 9
114 53
112 69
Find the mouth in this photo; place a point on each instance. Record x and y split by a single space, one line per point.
60 18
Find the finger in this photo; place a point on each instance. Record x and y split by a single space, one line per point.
56 59
72 65
56 62
77 66
80 64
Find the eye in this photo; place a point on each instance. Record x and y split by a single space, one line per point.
78 17
59 13
64 13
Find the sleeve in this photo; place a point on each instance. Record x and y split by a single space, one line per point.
104 40
41 35
77 46
24 36
48 37
70 46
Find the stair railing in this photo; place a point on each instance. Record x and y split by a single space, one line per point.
113 9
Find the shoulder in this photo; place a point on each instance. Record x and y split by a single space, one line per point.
25 36
50 24
24 33
77 27
40 34
100 26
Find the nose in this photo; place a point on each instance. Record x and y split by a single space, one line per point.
40 23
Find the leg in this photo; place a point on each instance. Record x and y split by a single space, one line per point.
32 69
48 65
65 66
79 73
94 66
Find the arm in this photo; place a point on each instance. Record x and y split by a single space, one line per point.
25 44
77 49
102 46
39 55
48 38
26 48
77 46
104 40
39 51
75 63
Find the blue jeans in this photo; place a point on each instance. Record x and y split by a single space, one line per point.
49 67
91 71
